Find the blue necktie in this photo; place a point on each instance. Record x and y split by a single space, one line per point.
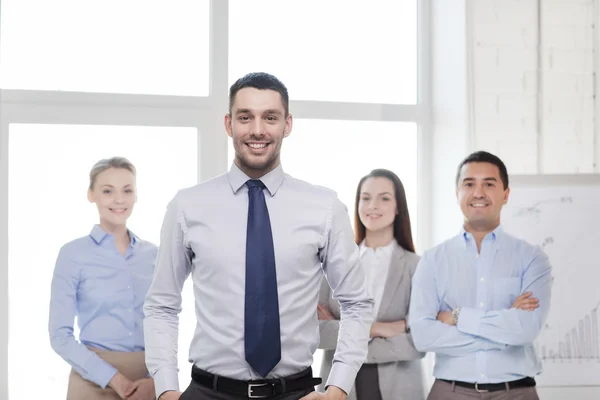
262 341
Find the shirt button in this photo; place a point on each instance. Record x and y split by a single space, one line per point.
481 304
482 279
128 286
130 333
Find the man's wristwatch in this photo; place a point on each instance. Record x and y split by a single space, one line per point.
455 314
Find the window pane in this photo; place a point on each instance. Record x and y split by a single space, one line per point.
48 178
336 154
110 46
331 50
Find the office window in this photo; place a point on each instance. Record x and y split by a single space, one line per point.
48 207
109 46
329 50
336 154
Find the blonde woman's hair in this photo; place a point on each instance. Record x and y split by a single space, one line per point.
113 162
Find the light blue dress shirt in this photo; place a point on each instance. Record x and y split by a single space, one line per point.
492 342
105 290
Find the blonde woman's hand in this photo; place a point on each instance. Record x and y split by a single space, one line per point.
120 384
142 389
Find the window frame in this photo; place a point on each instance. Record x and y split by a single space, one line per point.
206 115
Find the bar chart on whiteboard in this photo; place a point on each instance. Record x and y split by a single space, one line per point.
564 219
579 343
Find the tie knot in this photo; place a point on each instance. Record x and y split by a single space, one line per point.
255 183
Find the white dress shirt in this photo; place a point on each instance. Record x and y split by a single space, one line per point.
376 263
204 233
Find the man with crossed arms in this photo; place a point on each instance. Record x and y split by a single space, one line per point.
480 299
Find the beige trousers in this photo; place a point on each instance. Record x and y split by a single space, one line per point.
130 364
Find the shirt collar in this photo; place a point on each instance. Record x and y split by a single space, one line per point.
362 247
98 234
387 249
493 235
272 180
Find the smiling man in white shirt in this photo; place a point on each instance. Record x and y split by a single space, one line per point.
257 243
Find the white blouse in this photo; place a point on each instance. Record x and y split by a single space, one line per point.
376 263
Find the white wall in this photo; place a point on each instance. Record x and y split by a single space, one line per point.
493 90
570 393
533 83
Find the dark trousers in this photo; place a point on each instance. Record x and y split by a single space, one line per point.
447 391
367 383
196 391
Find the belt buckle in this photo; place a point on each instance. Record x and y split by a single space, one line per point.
251 387
479 390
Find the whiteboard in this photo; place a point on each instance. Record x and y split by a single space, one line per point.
562 215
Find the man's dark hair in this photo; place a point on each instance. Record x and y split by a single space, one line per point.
261 81
485 157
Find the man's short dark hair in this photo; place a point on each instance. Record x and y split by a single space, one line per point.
261 81
485 157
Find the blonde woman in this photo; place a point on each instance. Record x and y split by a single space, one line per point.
102 279
392 370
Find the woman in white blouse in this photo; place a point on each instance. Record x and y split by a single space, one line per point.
392 370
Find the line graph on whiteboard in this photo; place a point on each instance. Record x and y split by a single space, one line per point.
565 221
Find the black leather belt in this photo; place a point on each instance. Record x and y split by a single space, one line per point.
256 389
494 387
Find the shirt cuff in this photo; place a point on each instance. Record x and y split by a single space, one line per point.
342 376
469 320
102 373
166 379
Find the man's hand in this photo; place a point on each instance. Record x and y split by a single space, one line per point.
446 317
388 329
526 302
323 313
170 395
142 389
120 384
332 393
